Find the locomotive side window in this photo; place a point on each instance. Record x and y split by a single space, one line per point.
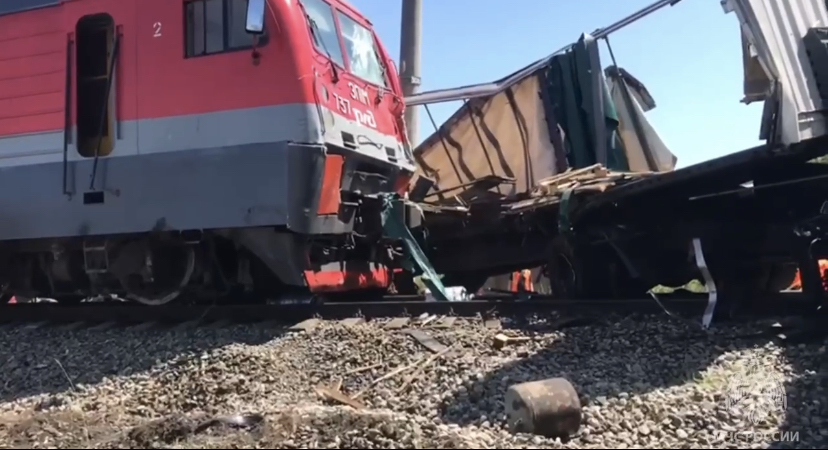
362 51
323 29
216 26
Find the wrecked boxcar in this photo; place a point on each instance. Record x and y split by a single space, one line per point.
557 167
563 114
559 129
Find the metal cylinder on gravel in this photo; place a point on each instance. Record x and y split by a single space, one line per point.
548 408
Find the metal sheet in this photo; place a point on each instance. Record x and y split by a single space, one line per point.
508 135
644 145
774 29
499 140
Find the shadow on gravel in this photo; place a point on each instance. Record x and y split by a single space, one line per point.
59 360
806 395
608 363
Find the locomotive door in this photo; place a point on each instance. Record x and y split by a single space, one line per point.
96 50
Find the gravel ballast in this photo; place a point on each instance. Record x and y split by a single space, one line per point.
644 382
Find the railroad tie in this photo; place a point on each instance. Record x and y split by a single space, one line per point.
397 323
352 322
445 322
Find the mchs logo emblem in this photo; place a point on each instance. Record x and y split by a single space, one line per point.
756 394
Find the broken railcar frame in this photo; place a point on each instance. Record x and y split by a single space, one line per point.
745 208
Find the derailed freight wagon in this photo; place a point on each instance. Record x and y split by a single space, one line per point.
558 130
556 166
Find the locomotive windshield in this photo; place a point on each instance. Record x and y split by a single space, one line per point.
362 51
323 29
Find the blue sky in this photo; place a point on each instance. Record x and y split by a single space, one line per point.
688 56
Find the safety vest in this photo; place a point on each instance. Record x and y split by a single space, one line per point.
522 281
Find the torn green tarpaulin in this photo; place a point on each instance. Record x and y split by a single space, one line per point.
393 223
583 106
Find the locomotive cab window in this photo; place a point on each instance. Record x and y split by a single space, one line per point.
217 26
323 31
362 51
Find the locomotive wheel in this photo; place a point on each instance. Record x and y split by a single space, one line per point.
155 295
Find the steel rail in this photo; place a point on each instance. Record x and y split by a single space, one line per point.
129 314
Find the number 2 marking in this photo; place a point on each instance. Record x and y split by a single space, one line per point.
157 27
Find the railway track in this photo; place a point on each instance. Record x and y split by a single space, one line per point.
125 315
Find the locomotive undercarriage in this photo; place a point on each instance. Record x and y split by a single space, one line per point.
196 266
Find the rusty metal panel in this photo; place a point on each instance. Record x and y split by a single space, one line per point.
505 135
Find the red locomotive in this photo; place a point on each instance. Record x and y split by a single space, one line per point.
151 147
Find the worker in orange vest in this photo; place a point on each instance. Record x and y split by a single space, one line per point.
522 281
823 271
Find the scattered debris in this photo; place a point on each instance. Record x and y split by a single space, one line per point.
492 324
421 367
446 322
391 374
548 408
428 320
501 340
305 325
427 341
364 369
411 397
337 396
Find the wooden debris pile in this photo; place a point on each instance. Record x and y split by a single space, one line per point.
333 393
593 178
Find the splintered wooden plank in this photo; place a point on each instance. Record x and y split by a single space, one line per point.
339 397
397 323
305 325
427 341
428 320
446 322
351 322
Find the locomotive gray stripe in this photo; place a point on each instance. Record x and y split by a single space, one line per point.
282 123
245 168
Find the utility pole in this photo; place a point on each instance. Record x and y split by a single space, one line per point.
411 31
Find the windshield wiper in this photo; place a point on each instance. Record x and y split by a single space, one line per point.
314 28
